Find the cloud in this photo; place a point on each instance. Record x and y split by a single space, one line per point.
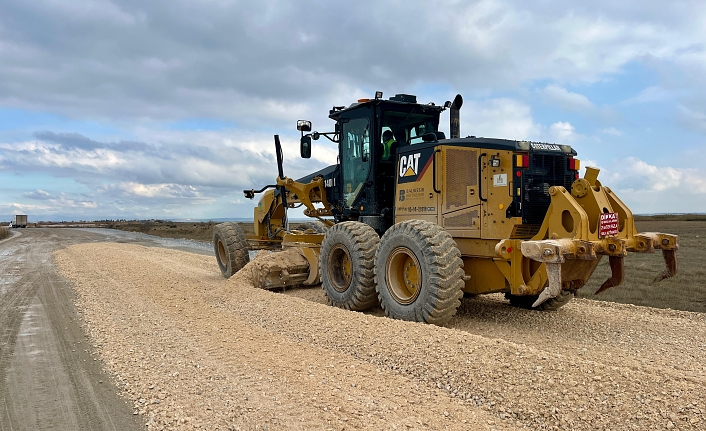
151 73
188 194
190 159
260 62
499 118
178 171
611 131
692 119
637 175
563 132
649 188
649 95
38 195
566 99
50 202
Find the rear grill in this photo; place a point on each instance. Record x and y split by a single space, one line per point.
545 171
461 172
520 231
463 220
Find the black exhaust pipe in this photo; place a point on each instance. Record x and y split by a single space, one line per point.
455 129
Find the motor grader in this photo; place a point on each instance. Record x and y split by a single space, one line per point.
413 221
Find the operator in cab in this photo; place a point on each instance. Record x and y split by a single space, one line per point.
389 145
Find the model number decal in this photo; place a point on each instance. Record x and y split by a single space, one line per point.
415 209
331 182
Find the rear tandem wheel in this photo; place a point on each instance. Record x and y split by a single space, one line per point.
419 273
346 262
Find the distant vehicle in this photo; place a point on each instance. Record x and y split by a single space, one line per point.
18 221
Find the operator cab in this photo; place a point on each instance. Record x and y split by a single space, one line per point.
370 133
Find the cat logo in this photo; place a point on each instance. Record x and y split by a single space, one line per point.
409 165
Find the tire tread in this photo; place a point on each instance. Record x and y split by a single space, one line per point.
440 258
365 243
233 238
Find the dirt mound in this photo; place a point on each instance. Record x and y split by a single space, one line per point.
265 261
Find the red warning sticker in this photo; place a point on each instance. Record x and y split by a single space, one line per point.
608 225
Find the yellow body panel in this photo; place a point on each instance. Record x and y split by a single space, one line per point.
460 189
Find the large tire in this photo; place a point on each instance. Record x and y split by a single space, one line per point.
230 247
548 305
346 265
419 273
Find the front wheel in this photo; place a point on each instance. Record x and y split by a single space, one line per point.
419 273
231 248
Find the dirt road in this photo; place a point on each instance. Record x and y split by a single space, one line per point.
48 377
187 349
194 351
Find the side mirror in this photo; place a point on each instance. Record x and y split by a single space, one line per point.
304 125
305 147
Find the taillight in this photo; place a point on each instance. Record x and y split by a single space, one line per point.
522 160
574 164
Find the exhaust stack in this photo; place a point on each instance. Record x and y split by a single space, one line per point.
455 127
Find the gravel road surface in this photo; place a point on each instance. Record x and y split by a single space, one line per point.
191 350
121 334
49 379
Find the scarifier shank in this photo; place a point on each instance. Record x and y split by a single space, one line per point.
571 232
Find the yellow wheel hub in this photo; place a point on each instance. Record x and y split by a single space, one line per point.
340 268
403 275
222 253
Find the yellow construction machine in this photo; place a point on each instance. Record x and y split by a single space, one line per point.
413 221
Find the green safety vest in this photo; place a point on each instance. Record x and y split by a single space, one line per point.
386 146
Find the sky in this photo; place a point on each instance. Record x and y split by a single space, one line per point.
144 109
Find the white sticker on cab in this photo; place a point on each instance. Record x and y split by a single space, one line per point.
500 180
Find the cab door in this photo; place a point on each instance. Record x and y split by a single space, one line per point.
355 156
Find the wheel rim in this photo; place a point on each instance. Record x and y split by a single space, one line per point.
403 275
340 269
222 254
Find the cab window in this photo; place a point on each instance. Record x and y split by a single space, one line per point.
355 149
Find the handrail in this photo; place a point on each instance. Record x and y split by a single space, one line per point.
480 178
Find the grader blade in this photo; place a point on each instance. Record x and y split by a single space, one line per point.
281 269
617 266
